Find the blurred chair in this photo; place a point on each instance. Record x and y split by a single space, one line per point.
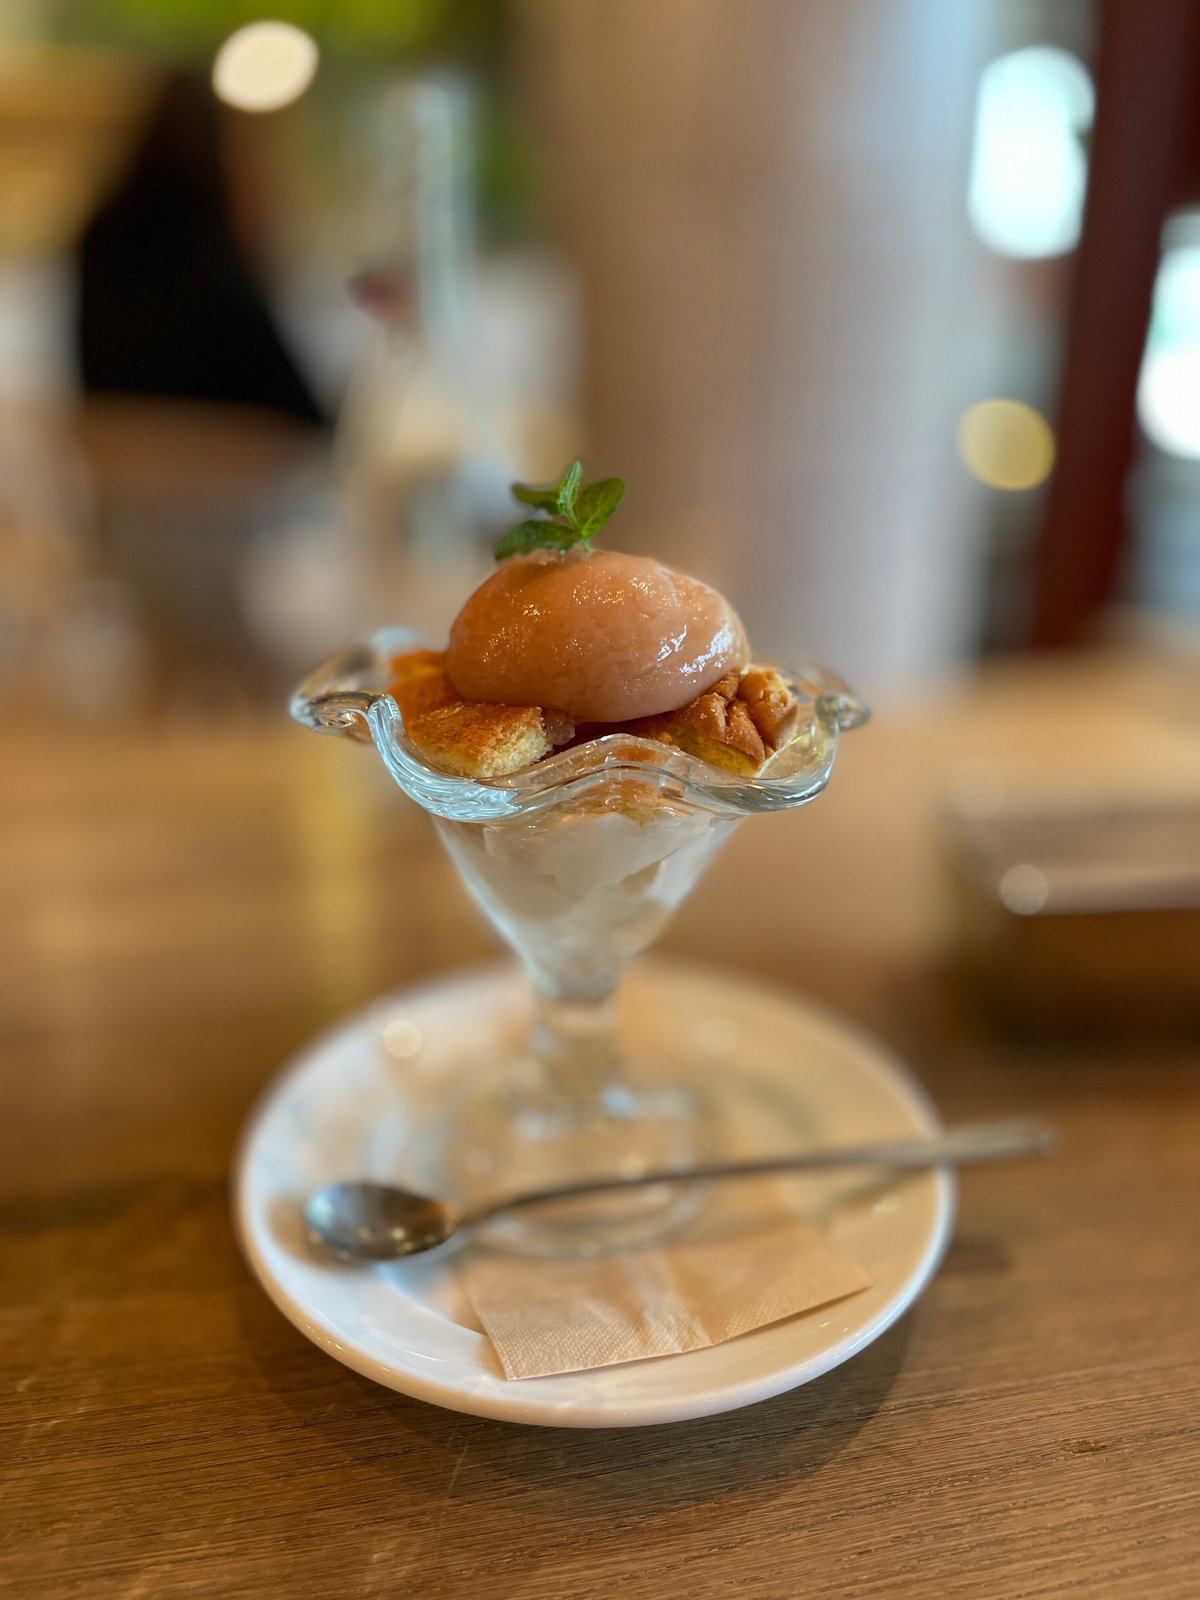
194 408
179 493
169 303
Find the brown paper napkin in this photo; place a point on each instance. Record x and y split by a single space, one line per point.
547 1317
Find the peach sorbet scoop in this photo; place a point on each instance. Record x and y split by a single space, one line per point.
601 635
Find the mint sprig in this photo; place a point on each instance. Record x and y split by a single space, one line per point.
574 512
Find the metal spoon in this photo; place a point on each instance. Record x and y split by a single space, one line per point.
374 1222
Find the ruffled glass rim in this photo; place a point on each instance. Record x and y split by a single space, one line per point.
347 695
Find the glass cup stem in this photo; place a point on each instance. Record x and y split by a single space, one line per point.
571 1106
574 1042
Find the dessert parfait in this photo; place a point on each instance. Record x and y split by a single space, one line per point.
592 732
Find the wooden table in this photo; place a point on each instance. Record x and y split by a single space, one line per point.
183 910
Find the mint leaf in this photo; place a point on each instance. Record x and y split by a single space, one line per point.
568 489
575 513
597 503
530 495
538 534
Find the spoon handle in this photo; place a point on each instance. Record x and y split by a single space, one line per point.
977 1142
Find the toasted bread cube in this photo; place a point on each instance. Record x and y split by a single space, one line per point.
475 740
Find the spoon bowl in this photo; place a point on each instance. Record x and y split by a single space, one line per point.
375 1222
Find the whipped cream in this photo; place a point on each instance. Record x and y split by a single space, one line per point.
585 890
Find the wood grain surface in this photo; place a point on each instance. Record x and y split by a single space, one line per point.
180 912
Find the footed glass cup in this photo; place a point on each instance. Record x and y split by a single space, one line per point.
579 862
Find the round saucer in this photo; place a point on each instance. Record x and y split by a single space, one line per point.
353 1102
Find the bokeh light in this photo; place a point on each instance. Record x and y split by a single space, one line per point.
1169 388
1006 444
402 1037
1024 889
1028 165
264 66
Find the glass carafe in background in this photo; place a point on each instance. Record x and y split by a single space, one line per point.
423 486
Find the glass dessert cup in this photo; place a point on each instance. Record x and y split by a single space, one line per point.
579 862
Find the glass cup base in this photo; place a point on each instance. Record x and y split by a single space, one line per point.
498 1131
505 1130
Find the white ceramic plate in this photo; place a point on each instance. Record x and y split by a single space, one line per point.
347 1107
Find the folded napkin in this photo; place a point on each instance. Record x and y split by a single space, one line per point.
713 1283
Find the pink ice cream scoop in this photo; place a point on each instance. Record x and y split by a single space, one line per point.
603 636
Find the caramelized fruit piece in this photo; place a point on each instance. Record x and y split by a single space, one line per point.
713 729
739 724
773 707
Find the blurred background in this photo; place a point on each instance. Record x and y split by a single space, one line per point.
889 312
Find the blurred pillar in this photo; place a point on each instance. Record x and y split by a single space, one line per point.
1144 161
767 206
